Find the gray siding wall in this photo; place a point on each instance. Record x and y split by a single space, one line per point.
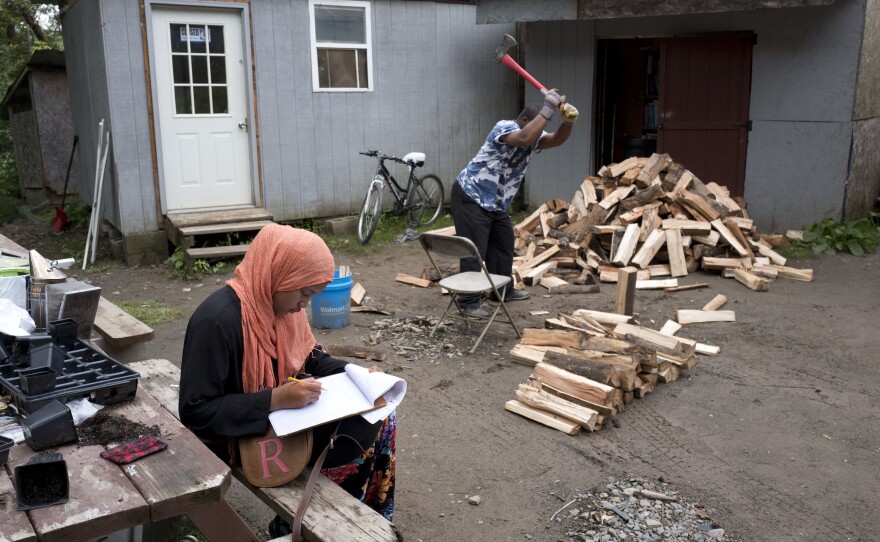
436 90
803 89
106 72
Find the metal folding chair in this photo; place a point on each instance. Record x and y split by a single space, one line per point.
471 282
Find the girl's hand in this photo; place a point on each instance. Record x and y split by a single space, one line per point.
295 394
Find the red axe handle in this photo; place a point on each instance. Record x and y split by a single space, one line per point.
512 64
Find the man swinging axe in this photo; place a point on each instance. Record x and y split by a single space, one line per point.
484 189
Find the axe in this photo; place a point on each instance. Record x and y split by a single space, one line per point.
502 57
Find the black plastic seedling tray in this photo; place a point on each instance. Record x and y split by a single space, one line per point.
85 373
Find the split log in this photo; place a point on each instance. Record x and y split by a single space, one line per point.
551 337
656 284
625 296
793 273
670 328
529 223
414 281
578 386
716 303
574 289
542 416
604 411
594 369
751 280
533 276
357 294
729 238
676 253
537 398
526 355
685 316
649 249
656 164
603 317
643 197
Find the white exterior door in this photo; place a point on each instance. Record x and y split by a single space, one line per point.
199 71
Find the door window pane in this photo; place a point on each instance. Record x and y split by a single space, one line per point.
200 69
198 64
202 100
219 100
218 69
180 68
216 44
182 100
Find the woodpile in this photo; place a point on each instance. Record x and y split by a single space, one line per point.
651 215
589 365
644 223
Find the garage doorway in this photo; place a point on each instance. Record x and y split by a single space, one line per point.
686 96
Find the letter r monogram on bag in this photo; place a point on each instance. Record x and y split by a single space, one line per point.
265 458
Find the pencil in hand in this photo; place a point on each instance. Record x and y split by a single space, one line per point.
291 379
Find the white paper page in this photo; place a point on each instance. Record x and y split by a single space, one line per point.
340 398
375 385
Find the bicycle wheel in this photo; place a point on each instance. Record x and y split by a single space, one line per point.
370 213
425 200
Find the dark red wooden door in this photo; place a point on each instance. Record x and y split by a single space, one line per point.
704 106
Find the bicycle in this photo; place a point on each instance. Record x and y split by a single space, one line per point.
421 198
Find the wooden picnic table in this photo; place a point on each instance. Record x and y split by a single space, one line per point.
184 479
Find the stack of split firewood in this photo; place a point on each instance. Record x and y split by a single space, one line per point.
653 216
643 223
589 364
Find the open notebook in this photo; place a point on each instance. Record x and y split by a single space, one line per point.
356 391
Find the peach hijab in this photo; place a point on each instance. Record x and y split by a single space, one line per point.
280 258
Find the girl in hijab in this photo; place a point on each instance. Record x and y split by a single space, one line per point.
246 339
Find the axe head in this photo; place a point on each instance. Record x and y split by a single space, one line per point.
506 44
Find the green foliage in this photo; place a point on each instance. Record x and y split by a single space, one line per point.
22 27
858 237
203 267
150 312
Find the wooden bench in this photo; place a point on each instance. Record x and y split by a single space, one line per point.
332 515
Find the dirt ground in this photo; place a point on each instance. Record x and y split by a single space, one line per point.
776 438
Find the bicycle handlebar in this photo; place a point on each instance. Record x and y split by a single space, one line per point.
383 156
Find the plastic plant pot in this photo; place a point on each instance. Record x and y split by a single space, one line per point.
51 425
6 444
47 355
37 380
42 481
63 331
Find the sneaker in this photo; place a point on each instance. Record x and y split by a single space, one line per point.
518 295
475 312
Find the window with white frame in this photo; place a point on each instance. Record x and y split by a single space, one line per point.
340 32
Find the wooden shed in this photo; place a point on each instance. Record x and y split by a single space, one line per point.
257 109
38 109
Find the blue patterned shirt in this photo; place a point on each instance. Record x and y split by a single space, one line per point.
495 174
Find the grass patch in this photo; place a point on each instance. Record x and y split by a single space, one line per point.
150 312
795 251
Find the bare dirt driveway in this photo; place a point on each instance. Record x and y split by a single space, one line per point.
777 438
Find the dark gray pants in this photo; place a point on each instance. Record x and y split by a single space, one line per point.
490 231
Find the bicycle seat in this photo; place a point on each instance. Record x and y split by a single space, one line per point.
415 159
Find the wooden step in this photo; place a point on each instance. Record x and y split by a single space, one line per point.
211 229
175 222
204 253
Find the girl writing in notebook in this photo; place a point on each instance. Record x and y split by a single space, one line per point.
247 339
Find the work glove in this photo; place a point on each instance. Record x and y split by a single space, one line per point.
569 113
551 103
